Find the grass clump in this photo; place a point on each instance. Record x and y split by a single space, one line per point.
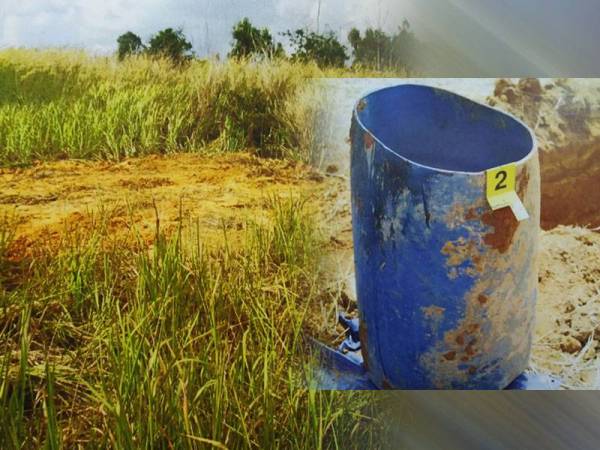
60 104
109 343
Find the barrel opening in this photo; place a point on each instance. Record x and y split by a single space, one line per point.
442 130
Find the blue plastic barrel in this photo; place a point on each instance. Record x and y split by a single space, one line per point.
446 286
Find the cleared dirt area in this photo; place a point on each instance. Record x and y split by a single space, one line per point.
218 193
568 313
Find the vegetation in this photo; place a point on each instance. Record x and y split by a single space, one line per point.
58 104
171 44
375 49
129 44
167 44
251 41
107 340
108 343
323 49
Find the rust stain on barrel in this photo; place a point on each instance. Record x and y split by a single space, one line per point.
503 220
471 214
505 225
386 384
450 355
368 141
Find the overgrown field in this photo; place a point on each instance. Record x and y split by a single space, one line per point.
57 104
106 342
61 104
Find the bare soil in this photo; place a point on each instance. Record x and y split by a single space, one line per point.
219 193
567 335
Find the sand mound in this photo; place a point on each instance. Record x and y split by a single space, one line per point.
567 336
565 115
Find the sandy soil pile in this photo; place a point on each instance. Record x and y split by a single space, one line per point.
565 115
567 332
220 193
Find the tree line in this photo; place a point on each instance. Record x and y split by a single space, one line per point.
372 49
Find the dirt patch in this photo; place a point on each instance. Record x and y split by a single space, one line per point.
219 193
565 116
570 193
27 199
567 336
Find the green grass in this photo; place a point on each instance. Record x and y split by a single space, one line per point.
60 104
108 343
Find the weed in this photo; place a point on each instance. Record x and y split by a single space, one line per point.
108 343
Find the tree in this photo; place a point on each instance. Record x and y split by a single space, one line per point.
324 49
248 40
405 47
378 50
171 44
373 51
129 44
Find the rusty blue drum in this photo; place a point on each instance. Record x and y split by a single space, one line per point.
446 286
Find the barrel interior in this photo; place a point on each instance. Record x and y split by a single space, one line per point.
442 130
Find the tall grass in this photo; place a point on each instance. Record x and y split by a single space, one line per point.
108 343
61 104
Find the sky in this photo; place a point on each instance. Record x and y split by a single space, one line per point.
517 37
95 24
467 37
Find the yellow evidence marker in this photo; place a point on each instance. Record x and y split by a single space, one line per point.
501 192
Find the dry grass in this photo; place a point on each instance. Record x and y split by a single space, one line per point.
57 104
110 343
111 340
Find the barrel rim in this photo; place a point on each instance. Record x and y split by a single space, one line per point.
532 151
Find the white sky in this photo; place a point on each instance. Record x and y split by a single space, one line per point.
95 24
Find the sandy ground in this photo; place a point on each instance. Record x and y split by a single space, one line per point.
567 334
568 315
218 193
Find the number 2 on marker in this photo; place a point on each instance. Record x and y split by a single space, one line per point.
501 180
500 190
501 176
